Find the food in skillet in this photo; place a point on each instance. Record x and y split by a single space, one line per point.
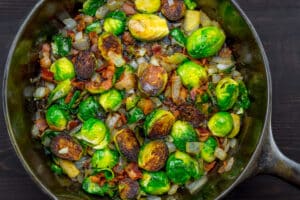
140 98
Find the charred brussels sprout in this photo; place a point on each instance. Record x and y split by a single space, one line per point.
94 27
65 147
128 189
91 6
85 63
205 42
181 168
127 144
56 118
88 109
192 74
147 6
115 22
153 80
220 124
183 132
95 133
148 27
208 149
155 183
227 93
158 124
63 69
111 100
153 156
61 90
61 45
236 125
104 158
111 48
173 10
94 188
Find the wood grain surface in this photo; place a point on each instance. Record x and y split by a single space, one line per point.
278 24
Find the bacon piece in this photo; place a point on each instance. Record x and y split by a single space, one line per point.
208 167
133 171
78 84
203 134
47 75
72 124
128 8
41 124
128 39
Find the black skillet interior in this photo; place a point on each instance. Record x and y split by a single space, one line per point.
22 65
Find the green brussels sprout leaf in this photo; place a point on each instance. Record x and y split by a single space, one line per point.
91 6
155 183
61 45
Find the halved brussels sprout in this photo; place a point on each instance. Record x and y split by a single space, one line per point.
158 124
88 109
115 22
147 6
205 42
227 93
208 149
61 90
61 45
220 124
111 48
56 118
236 125
65 147
94 188
111 100
153 156
127 144
153 80
95 133
183 132
173 10
192 74
128 189
155 183
85 64
91 6
148 27
104 158
181 168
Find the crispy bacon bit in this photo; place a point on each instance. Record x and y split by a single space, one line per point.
99 179
93 37
80 85
203 134
196 91
128 39
45 61
69 97
183 94
146 105
128 189
41 124
156 49
71 34
128 8
47 75
81 25
191 114
72 124
133 171
208 167
123 118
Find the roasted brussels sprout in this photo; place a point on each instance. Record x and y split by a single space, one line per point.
148 27
63 69
227 93
205 42
174 11
115 22
153 80
192 74
178 35
153 156
56 118
94 188
88 109
64 146
147 6
91 6
95 133
220 124
191 21
191 4
155 183
208 149
158 124
61 90
61 45
85 64
236 125
104 158
127 144
111 48
111 100
181 168
128 189
183 132
94 27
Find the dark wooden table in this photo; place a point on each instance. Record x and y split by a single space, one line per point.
278 24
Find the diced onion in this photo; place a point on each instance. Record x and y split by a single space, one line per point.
134 64
216 78
195 186
50 86
221 60
176 86
41 92
173 189
64 150
233 142
141 60
112 120
220 154
223 67
70 23
193 147
102 12
154 61
171 147
170 2
153 198
229 165
78 36
212 70
82 43
35 131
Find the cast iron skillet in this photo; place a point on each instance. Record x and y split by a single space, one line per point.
256 153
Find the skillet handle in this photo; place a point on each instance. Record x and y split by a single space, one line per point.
273 162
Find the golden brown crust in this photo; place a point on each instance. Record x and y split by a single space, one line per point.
128 189
173 12
128 144
157 157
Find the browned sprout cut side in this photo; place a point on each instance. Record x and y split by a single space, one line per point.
85 64
128 189
174 11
